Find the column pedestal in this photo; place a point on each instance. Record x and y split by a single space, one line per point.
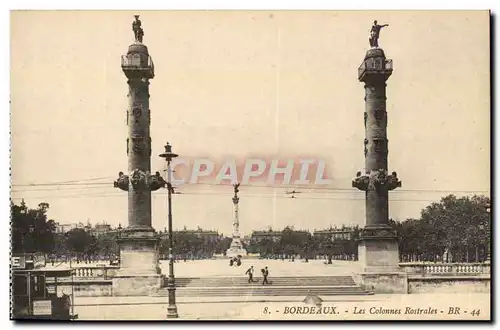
236 248
140 273
378 255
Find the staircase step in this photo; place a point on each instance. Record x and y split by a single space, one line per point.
279 286
267 291
282 281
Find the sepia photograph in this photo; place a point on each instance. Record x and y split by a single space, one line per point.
272 165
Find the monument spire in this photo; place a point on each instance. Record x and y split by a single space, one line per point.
236 247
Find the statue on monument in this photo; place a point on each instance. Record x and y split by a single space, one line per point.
136 27
375 34
236 190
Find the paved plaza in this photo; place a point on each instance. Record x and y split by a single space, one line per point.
277 268
221 268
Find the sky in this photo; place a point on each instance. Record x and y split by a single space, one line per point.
247 84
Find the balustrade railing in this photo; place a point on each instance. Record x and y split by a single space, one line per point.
137 61
374 64
424 268
96 272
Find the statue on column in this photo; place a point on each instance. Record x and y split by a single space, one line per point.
236 190
375 34
136 27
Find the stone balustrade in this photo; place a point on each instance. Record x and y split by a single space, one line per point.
99 272
450 269
106 272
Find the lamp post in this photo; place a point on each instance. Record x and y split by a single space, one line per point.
172 307
488 209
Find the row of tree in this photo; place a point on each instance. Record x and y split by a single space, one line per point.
453 229
290 243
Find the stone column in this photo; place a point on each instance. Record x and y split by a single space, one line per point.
378 251
139 272
139 154
236 221
236 247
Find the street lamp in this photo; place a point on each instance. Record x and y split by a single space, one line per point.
172 307
488 209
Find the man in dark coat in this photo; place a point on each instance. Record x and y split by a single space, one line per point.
265 274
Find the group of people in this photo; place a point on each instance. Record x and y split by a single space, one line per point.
265 274
236 261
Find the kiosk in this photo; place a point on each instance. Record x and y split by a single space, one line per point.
33 298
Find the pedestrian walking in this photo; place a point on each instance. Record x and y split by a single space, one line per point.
265 274
250 272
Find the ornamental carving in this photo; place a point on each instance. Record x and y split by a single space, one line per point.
136 112
127 144
361 181
393 181
380 145
138 145
378 233
121 182
379 179
366 117
366 147
138 179
379 114
155 181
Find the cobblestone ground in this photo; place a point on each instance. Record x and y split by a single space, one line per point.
377 307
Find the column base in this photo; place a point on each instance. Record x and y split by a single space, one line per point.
172 312
378 255
236 248
236 252
139 273
136 285
383 282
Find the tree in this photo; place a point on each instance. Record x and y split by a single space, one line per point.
222 245
31 231
457 227
106 245
81 242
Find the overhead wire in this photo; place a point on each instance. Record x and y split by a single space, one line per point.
298 187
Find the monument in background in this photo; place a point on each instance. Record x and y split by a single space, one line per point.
139 272
378 250
236 247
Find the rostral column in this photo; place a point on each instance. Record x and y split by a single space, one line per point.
139 272
378 251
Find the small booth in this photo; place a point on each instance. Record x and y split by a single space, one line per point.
34 299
